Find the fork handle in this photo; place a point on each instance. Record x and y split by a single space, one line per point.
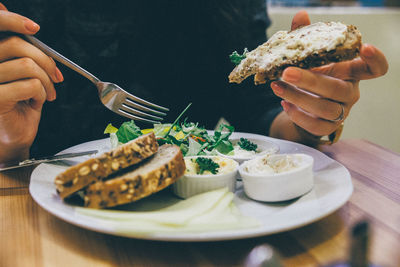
60 58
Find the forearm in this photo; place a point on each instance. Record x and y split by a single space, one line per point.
283 128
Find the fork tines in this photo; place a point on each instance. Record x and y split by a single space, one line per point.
131 109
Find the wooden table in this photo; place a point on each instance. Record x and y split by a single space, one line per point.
32 237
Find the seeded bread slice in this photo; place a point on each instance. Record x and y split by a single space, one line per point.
142 180
94 169
306 47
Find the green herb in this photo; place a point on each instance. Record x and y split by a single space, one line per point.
192 139
236 58
177 119
207 164
128 131
247 145
220 140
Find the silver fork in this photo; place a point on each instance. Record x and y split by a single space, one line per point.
111 95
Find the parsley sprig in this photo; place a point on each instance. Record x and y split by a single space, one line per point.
207 164
246 144
236 58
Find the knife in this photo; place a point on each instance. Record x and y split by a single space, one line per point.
32 161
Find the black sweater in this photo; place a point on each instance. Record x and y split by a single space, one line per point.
168 52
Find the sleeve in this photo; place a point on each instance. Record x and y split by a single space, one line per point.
254 107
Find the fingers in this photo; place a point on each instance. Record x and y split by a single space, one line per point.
3 7
321 108
322 85
29 90
300 19
311 124
24 68
371 64
13 22
14 47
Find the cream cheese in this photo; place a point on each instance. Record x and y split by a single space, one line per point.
298 44
225 166
272 165
242 153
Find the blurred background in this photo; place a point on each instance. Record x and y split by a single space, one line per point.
376 116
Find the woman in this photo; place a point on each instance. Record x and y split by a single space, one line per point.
168 52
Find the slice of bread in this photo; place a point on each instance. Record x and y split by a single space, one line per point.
306 47
139 181
78 176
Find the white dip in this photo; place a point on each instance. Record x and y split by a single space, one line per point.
273 164
242 153
225 166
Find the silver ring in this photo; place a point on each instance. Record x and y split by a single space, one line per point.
341 116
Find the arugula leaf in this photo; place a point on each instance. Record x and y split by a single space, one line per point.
246 144
236 58
221 139
128 131
207 164
224 147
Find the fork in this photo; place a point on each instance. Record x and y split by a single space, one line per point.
111 95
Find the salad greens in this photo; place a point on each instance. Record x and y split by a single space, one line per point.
192 139
236 58
207 164
128 131
246 144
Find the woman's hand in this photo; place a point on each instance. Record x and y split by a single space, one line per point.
26 82
316 101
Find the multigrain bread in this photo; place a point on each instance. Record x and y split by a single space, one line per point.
140 181
306 47
77 177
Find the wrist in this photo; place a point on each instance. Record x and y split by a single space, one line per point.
283 128
307 138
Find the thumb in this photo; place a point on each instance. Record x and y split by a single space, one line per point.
300 19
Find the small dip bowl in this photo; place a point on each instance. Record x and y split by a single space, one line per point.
192 183
263 148
277 177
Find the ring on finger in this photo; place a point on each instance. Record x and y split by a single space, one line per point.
341 115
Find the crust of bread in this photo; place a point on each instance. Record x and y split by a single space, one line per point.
79 176
139 181
348 50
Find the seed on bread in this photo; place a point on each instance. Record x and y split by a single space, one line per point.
306 47
161 170
98 168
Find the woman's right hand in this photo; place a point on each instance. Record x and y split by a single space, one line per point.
26 82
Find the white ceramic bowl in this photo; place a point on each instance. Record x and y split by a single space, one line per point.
264 147
193 184
281 186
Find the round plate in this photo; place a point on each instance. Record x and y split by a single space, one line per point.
332 188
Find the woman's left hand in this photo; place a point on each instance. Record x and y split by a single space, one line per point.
318 100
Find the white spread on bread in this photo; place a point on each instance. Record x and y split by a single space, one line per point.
298 43
306 47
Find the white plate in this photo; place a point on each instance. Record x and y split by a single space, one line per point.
331 190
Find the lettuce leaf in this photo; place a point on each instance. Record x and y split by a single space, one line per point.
128 131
